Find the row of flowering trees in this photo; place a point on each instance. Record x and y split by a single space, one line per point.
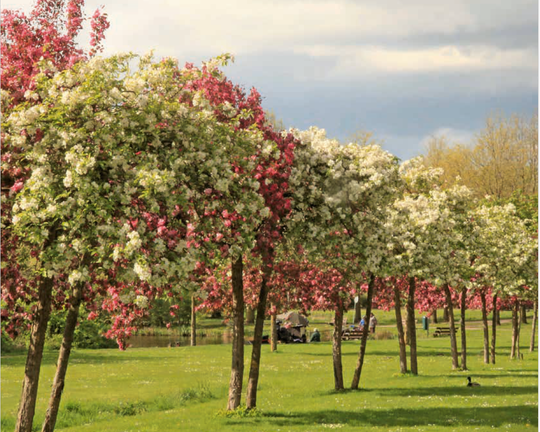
131 179
430 245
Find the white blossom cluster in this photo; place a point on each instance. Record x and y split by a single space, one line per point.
142 270
342 189
506 255
141 301
77 276
430 235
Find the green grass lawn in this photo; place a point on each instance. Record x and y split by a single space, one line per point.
184 389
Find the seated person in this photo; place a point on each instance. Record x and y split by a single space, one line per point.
363 322
315 336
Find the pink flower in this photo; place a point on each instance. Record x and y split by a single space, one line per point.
17 186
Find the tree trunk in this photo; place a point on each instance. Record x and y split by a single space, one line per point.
237 369
401 335
445 314
336 348
250 315
523 317
434 315
411 326
357 311
518 348
463 329
498 314
273 331
514 350
494 329
27 405
485 327
253 381
406 326
453 339
534 323
363 343
193 323
63 359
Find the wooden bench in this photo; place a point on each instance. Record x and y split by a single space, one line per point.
352 334
443 331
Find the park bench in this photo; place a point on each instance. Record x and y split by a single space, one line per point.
443 331
351 334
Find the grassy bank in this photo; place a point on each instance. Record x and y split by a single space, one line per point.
162 389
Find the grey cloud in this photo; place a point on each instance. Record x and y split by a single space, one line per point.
303 90
400 110
509 37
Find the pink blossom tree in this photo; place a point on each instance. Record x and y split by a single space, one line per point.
48 33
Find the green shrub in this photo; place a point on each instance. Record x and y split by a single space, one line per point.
130 408
88 334
9 345
240 412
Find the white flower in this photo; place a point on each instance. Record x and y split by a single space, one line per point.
68 179
134 242
74 277
141 301
265 212
142 270
117 253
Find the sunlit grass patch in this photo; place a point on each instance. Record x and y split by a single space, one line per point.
184 389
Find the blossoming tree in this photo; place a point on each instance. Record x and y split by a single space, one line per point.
408 219
339 193
505 257
48 32
113 151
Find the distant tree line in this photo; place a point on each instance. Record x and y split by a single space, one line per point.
501 160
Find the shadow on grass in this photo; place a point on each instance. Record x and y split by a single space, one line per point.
439 351
479 375
441 391
482 416
458 391
443 352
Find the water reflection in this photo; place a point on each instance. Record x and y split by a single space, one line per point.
152 341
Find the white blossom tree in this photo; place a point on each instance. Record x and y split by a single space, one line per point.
408 220
505 258
339 196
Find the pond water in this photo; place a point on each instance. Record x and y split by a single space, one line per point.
151 341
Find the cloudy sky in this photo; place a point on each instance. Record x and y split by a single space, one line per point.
402 70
